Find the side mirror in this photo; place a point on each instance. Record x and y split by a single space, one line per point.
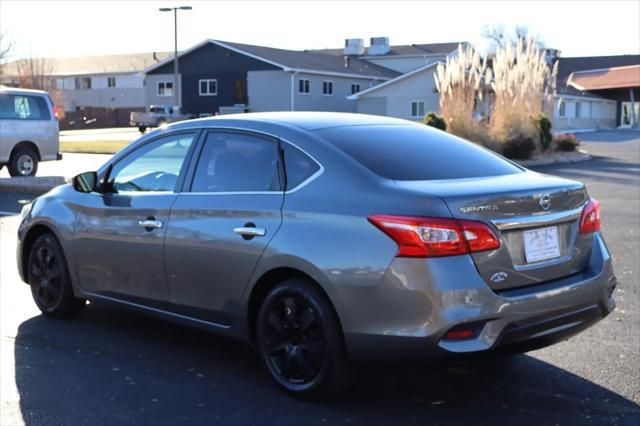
85 182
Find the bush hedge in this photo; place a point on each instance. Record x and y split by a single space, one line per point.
434 120
566 142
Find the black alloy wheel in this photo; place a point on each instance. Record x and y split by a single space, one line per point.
300 341
49 279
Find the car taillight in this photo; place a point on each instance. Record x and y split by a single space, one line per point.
55 113
590 220
435 237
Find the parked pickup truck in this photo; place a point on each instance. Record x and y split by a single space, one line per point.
158 115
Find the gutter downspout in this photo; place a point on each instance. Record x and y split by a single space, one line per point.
293 93
634 119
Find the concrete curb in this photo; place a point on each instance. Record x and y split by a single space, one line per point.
32 184
556 158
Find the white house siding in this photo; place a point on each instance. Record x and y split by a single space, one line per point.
593 113
400 94
271 91
151 89
404 64
128 93
375 105
268 91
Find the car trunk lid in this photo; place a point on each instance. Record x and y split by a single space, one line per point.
535 216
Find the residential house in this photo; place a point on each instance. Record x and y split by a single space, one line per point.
412 93
219 76
597 92
101 89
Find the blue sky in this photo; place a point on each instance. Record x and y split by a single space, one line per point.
70 28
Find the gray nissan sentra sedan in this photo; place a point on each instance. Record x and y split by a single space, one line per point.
326 240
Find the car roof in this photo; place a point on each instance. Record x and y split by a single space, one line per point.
308 120
19 90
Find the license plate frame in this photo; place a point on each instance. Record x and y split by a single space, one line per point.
541 244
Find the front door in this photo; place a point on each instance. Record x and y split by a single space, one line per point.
119 235
221 224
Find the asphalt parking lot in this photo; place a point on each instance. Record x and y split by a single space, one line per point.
113 367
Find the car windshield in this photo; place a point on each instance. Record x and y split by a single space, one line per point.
407 152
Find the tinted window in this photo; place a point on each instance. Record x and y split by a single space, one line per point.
299 167
232 162
154 166
416 153
23 107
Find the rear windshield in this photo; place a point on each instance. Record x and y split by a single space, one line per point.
416 153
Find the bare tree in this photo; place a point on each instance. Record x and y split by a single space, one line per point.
498 37
38 73
5 49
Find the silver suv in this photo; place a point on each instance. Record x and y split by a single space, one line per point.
325 240
28 130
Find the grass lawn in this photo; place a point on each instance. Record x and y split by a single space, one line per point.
93 147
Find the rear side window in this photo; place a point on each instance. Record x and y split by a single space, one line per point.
299 167
416 153
23 107
237 162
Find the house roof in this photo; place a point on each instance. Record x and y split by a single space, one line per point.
82 65
394 80
606 78
567 66
405 50
301 61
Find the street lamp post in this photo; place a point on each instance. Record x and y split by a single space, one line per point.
175 48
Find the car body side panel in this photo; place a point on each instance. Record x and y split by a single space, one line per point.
57 211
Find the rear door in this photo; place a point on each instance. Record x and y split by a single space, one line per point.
222 222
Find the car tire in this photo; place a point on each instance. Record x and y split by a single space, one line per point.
48 276
142 129
300 342
23 162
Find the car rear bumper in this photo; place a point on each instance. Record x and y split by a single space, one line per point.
422 299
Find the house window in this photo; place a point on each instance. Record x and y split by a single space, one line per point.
208 87
303 86
327 88
355 88
561 109
165 88
578 108
83 83
417 109
111 82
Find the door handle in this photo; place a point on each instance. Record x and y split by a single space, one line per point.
150 223
250 231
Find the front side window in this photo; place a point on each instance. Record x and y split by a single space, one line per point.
417 109
23 107
327 88
154 167
165 88
237 162
355 88
304 86
208 87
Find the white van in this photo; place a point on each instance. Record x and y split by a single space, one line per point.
29 131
